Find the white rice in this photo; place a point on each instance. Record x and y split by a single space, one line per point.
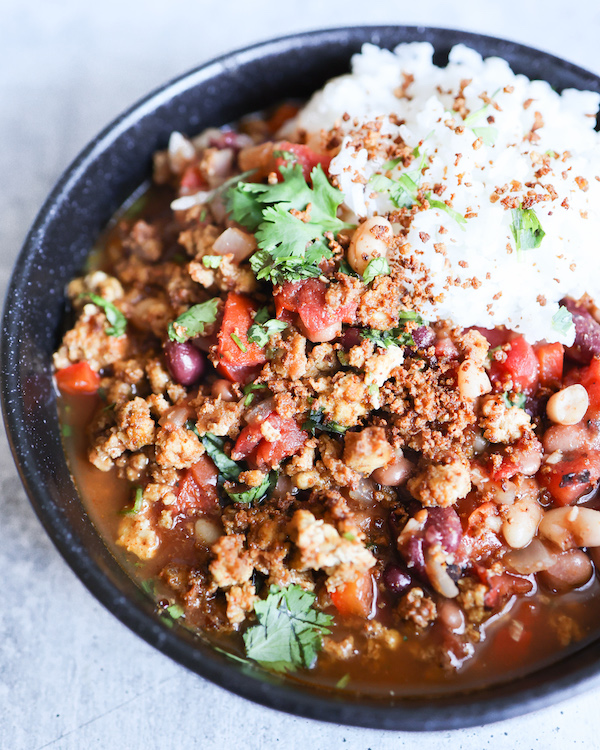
519 290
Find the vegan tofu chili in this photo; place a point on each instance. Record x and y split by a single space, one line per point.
273 440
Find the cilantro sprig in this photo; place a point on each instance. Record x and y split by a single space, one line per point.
291 246
289 632
264 327
376 267
117 321
517 400
526 229
138 503
193 322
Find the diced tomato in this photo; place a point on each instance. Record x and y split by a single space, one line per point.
589 377
233 357
446 348
523 457
501 585
479 538
252 444
307 298
192 180
78 379
520 366
550 359
198 488
355 597
571 478
306 157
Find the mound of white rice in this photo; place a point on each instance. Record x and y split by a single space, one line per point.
515 138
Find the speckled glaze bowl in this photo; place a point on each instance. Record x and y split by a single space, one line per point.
78 208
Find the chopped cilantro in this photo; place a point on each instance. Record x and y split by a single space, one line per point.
290 248
137 503
249 391
494 349
254 494
317 420
175 611
373 389
212 261
343 682
349 536
517 400
487 133
562 320
343 357
376 267
391 337
289 630
227 467
117 321
192 322
346 268
238 342
441 206
526 229
264 327
66 430
148 586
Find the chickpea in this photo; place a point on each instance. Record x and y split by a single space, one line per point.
472 380
568 407
369 241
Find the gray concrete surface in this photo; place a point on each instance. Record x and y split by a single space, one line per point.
71 676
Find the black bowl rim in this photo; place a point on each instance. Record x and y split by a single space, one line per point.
576 673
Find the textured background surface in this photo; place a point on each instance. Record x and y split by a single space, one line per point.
71 676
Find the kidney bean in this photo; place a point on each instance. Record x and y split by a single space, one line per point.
572 570
587 333
185 363
351 337
442 527
423 337
396 578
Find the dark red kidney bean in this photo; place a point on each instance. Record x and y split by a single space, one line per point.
442 527
185 363
572 570
396 579
413 554
351 337
423 337
587 333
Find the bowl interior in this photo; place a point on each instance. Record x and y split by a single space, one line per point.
79 207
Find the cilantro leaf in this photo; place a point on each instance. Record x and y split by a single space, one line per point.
376 267
517 400
391 337
191 323
526 229
487 133
238 342
227 467
175 611
290 248
212 261
249 391
317 421
117 321
137 503
264 327
562 320
289 631
254 494
441 206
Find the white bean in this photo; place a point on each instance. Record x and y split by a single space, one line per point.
207 532
520 523
394 474
572 527
472 380
568 407
369 241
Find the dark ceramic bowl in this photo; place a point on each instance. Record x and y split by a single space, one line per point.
87 195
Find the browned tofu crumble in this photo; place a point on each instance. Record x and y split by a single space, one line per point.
406 481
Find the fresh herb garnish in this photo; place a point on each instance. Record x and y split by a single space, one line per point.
289 631
249 391
117 321
238 342
487 133
227 467
343 682
205 197
376 267
562 320
517 400
175 611
66 430
254 494
317 421
526 229
192 322
290 247
264 327
441 206
137 503
391 337
346 268
212 261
